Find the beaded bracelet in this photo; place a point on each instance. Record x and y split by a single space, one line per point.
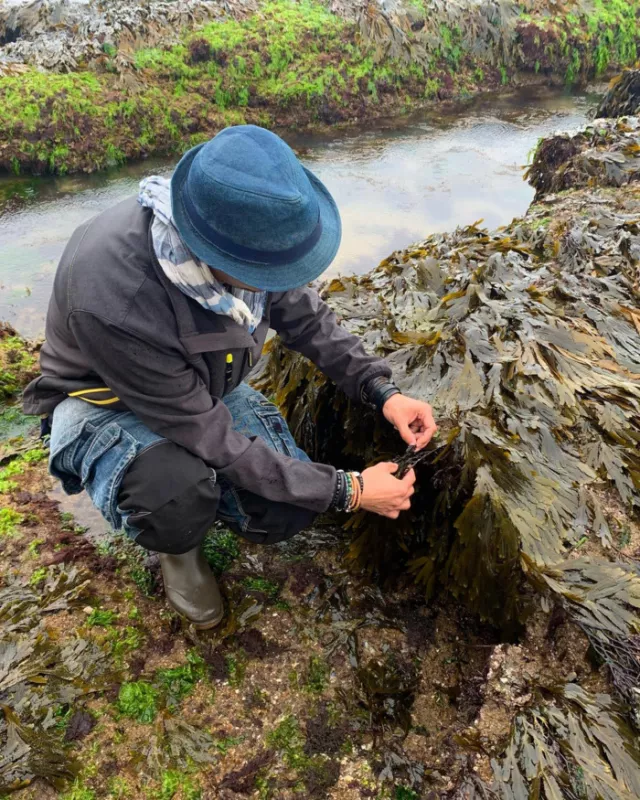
347 495
341 495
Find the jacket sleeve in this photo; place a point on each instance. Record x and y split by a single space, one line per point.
163 390
307 325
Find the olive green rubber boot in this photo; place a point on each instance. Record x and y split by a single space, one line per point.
191 588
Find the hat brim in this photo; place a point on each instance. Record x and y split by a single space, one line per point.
269 277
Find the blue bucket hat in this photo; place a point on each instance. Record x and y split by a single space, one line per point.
244 204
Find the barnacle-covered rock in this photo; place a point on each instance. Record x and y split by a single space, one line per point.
64 35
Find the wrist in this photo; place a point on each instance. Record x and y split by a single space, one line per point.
376 391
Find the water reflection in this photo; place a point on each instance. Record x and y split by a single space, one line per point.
394 184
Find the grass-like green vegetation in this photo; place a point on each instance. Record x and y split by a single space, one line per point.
178 682
584 42
290 65
102 618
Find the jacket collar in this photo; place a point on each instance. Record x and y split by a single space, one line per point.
227 334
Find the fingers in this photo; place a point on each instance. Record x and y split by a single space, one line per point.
410 478
425 437
405 431
389 466
428 427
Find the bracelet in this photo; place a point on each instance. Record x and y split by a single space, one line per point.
337 491
350 492
357 484
347 495
341 495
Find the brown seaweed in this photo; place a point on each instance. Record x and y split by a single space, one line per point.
38 674
526 342
623 97
576 746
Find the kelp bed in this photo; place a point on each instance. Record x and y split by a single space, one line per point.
85 86
526 342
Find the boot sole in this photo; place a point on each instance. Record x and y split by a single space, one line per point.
206 626
200 626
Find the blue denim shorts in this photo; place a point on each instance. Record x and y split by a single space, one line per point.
92 448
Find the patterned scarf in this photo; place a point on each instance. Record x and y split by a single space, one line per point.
184 270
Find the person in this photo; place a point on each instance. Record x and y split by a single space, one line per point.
160 308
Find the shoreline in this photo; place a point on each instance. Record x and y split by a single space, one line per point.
295 68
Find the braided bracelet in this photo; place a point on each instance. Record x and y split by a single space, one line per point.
357 495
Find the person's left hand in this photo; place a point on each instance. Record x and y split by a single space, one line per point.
413 419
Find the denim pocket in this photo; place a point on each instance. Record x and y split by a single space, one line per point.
104 466
278 433
65 453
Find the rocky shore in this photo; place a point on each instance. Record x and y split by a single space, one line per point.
483 646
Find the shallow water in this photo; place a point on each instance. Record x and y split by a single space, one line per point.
394 183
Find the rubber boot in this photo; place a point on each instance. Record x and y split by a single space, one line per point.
191 588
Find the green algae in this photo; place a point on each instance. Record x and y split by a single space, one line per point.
173 781
221 548
10 521
17 466
102 618
179 682
317 675
18 362
138 700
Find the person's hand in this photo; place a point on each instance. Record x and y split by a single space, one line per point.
385 495
413 419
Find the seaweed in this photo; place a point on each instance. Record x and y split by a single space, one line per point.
575 745
606 153
38 674
386 688
623 97
526 342
28 753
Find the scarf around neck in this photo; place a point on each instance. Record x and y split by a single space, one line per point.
193 277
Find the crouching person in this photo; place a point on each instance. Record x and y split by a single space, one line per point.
160 308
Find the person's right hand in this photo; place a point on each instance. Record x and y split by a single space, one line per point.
385 495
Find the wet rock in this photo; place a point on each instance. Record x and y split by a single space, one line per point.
80 725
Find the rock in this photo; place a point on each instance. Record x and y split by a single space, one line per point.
61 35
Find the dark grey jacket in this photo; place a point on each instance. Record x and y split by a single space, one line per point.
118 328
